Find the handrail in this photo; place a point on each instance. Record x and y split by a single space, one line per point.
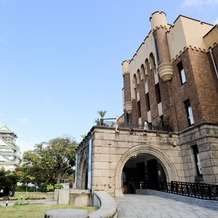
149 126
189 189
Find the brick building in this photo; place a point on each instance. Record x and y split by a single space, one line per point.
169 129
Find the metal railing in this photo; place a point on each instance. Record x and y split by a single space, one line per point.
148 126
195 190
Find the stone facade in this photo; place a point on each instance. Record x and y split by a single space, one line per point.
205 137
111 150
170 119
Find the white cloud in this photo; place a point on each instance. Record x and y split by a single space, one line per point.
24 121
190 3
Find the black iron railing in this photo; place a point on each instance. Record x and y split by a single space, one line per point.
195 190
147 126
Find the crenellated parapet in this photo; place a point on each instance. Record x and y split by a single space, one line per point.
158 20
125 65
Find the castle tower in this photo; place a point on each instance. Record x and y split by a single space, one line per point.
160 27
127 87
9 151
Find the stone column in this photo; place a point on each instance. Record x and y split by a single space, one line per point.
159 27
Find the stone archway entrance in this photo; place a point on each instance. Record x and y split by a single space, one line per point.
82 179
145 166
142 171
112 153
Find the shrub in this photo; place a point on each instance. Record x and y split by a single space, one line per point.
21 188
50 188
58 186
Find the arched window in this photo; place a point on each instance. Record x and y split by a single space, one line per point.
135 85
142 70
138 76
152 62
146 69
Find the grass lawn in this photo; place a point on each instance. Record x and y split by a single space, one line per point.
35 210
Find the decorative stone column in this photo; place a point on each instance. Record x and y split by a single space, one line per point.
165 71
127 87
160 27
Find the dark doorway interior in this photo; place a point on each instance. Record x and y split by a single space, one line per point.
142 171
86 180
152 173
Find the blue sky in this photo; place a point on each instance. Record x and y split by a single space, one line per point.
60 60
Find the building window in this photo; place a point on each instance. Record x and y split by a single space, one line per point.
152 63
181 73
188 108
139 109
137 88
157 51
147 101
157 91
128 118
146 78
197 160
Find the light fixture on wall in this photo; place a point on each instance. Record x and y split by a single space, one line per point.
134 155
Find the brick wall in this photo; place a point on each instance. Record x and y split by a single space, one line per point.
215 56
206 87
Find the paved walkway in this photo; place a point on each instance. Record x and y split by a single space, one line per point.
149 206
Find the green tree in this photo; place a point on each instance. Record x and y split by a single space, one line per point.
8 181
26 174
51 160
102 114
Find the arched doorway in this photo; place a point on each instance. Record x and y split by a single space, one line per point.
165 168
82 179
142 171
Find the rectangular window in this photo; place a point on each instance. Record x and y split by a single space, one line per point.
157 51
139 109
190 116
128 118
181 73
147 101
157 90
197 160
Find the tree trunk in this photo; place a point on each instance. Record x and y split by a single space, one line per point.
59 177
